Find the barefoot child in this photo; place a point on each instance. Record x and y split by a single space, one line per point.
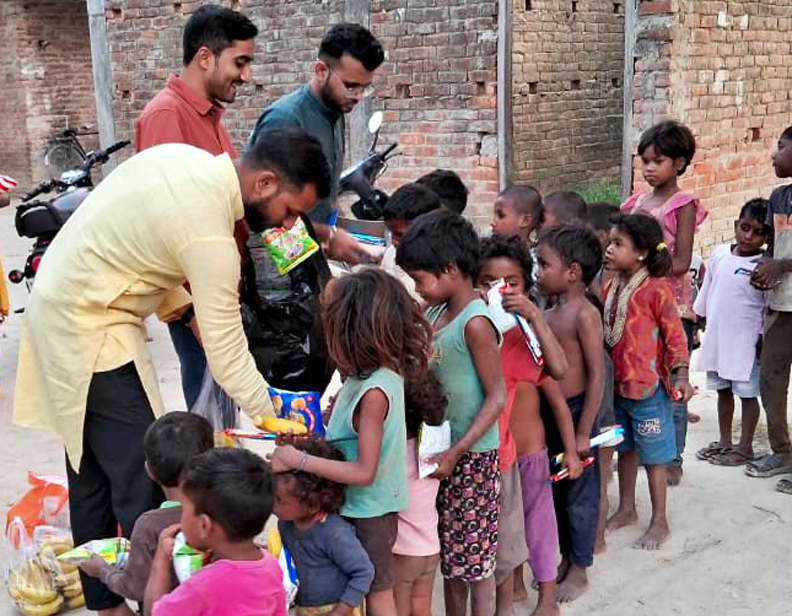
569 258
666 151
440 251
416 552
169 444
379 340
650 359
734 313
226 498
517 212
334 570
527 515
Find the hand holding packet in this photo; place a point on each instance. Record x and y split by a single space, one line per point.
289 247
505 321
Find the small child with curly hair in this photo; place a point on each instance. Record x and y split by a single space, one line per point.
334 570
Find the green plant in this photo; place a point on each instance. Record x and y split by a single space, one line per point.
610 193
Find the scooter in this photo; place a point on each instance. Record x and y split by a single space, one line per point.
361 177
41 220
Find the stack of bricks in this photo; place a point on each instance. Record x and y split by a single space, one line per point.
49 82
723 69
436 87
567 92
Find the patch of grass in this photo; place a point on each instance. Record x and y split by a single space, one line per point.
609 193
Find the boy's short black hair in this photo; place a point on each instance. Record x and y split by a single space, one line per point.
294 156
576 244
216 28
599 215
354 40
525 200
508 247
436 240
233 487
449 187
756 209
318 493
172 441
410 201
566 205
787 134
672 139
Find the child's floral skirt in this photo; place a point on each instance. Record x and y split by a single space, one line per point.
469 506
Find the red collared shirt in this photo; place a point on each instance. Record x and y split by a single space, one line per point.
178 114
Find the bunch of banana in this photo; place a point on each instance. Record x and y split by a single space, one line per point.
274 543
32 590
277 425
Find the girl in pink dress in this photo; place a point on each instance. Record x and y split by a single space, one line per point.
666 151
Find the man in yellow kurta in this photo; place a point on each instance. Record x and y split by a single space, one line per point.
164 217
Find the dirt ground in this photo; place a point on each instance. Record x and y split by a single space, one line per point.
729 553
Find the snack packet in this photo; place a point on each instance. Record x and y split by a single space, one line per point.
506 320
187 561
114 551
432 440
301 406
289 247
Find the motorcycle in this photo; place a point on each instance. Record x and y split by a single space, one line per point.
40 220
361 177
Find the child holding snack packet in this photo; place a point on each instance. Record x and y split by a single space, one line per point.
334 570
380 342
440 252
169 444
226 498
527 516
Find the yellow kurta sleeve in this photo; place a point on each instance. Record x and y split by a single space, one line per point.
212 267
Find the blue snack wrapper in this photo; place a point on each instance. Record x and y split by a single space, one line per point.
301 406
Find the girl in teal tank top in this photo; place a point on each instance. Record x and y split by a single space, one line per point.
380 343
440 251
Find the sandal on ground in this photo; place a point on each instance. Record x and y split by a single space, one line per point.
693 417
713 449
733 457
767 466
784 486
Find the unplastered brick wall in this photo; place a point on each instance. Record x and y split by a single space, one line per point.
723 69
567 92
436 88
48 81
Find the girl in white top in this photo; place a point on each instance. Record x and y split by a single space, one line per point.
733 311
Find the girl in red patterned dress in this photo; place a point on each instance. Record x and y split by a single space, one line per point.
666 151
647 344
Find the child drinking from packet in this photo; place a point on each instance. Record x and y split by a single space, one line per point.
650 358
417 549
568 259
517 212
404 206
169 444
440 251
666 151
334 570
527 515
734 313
226 497
380 342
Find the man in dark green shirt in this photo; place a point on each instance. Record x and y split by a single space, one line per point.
342 76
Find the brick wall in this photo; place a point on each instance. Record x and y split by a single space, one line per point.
49 80
567 92
723 69
436 88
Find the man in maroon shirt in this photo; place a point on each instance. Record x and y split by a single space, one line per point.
218 51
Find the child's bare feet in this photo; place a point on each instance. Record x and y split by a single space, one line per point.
550 609
520 591
574 585
654 537
563 569
546 604
622 518
600 545
673 475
